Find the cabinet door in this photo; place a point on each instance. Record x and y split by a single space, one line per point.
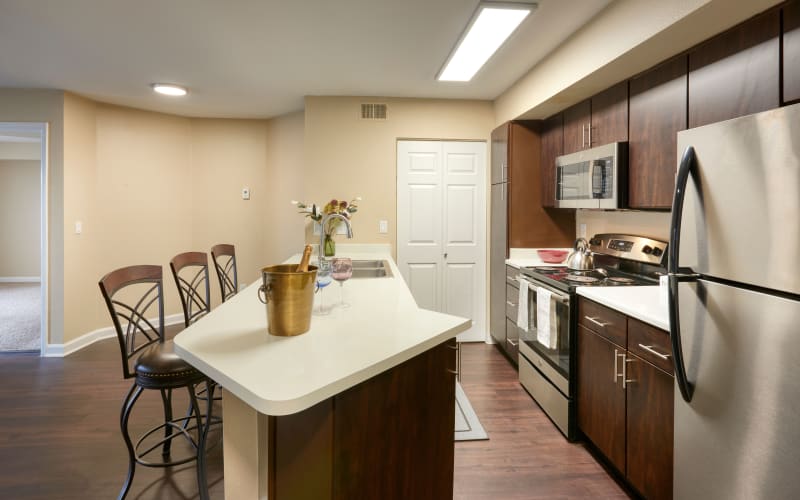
791 52
650 400
500 154
736 73
657 113
552 146
523 202
601 398
576 127
610 115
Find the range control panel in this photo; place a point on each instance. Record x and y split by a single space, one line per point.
636 248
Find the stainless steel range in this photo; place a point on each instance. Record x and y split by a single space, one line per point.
546 361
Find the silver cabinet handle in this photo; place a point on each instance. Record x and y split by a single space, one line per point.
652 351
616 359
511 304
625 379
454 372
583 135
598 323
590 134
515 344
453 347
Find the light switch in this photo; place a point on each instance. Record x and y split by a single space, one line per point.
245 193
383 226
78 227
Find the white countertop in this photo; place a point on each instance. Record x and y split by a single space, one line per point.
644 303
523 257
285 375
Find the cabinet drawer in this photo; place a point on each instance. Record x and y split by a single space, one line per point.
650 344
603 321
511 276
512 296
512 340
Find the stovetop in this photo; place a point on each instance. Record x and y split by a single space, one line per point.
566 279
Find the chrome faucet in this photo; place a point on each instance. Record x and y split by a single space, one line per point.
322 224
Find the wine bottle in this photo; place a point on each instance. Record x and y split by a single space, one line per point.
302 267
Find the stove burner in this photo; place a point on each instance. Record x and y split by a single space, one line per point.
549 269
621 280
581 279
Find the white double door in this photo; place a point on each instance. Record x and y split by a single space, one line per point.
441 227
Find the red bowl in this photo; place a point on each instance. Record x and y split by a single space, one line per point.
552 256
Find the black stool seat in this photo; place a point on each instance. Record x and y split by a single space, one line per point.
159 367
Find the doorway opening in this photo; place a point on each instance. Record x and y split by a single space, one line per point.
23 237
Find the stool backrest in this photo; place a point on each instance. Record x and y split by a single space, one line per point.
131 293
224 257
190 270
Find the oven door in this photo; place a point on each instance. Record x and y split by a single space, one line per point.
554 363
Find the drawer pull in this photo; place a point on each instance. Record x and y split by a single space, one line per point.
515 344
598 323
654 352
511 304
450 370
453 347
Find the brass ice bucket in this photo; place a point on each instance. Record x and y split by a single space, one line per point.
289 297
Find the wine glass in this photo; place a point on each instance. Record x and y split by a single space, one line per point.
342 271
323 280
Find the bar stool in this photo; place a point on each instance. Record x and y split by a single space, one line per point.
153 364
224 257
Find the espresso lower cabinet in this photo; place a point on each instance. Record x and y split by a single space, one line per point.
625 396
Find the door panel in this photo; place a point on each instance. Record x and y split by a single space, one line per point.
738 438
423 280
441 227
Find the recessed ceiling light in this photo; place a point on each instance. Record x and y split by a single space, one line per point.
489 28
169 89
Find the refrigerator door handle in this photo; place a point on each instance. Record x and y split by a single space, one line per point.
678 274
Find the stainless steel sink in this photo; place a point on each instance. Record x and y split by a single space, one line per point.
371 269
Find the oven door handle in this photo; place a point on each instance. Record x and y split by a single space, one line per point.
556 295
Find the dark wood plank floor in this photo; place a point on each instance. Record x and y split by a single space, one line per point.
59 435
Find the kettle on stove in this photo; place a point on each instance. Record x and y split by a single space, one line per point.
581 257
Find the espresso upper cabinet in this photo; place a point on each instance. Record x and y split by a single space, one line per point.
657 113
552 146
736 73
577 127
610 115
791 52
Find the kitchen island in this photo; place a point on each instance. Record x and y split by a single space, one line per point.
360 406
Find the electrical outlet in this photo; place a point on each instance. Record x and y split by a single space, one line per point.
245 193
383 226
78 227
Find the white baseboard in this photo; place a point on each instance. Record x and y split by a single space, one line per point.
61 350
20 279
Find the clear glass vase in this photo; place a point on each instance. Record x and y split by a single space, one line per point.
330 246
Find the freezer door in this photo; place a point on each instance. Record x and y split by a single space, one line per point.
739 438
497 263
743 199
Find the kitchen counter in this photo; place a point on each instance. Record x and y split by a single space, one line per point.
644 303
313 398
525 257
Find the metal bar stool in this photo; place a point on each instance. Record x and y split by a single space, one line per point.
130 294
224 257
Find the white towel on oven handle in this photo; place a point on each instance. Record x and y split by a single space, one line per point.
522 304
544 334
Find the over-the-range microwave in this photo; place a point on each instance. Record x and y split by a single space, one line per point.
593 178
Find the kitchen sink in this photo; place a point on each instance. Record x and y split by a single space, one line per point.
371 269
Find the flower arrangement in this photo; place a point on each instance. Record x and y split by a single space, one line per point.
313 211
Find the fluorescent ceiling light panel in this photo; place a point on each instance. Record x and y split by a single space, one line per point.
169 89
488 30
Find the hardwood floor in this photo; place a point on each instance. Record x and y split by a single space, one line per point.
59 435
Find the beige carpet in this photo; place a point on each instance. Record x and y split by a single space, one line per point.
20 307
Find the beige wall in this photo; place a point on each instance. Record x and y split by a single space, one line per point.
20 215
651 224
348 157
47 106
147 186
626 38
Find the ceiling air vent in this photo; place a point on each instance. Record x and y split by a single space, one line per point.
373 111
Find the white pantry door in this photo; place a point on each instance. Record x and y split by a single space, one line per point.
441 227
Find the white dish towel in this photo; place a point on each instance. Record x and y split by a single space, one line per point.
543 310
522 305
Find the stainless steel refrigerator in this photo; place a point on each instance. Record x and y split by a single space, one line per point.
734 304
498 242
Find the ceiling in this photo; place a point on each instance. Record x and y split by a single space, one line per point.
259 58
